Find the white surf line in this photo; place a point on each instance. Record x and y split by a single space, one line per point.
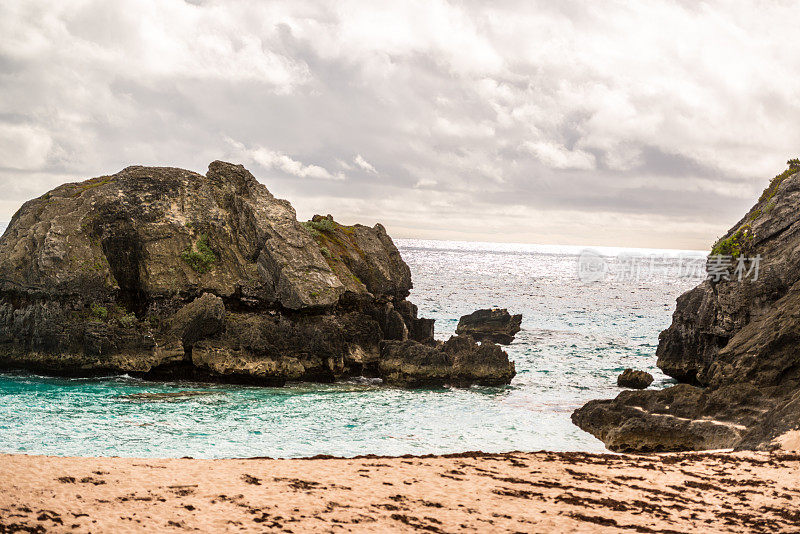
710 421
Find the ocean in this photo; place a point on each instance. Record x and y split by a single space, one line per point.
587 316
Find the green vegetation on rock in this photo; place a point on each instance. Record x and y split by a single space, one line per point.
733 245
127 320
200 257
309 227
316 227
775 183
100 312
90 184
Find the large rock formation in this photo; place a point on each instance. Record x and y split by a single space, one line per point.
735 344
162 272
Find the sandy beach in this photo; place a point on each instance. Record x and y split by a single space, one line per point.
475 492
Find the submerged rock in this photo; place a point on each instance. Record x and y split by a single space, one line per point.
165 396
733 343
495 325
165 273
634 379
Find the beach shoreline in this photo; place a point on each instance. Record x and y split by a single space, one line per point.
473 491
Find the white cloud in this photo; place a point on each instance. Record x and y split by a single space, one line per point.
273 159
23 146
156 39
364 164
426 183
469 104
278 160
462 128
560 157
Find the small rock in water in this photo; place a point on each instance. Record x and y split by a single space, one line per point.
634 379
495 325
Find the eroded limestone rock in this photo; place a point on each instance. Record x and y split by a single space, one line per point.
167 273
734 343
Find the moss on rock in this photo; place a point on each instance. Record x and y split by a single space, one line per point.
200 257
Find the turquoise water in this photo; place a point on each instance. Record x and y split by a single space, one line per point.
576 338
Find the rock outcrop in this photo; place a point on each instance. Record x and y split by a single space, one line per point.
163 272
733 343
495 325
459 361
634 379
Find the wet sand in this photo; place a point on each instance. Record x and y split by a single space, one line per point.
473 492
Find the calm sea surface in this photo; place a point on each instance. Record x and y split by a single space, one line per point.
576 338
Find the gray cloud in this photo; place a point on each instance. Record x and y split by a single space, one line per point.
550 122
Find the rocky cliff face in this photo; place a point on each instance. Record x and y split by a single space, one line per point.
165 272
734 343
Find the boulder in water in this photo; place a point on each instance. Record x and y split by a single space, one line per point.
634 379
459 361
495 325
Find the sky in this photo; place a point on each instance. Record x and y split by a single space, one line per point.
642 123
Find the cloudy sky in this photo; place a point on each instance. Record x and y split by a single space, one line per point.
640 123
